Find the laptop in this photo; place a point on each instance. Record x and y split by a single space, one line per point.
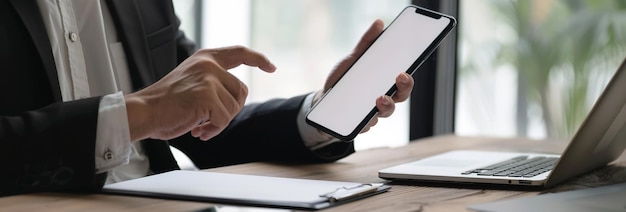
600 139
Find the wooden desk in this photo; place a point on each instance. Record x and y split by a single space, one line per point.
359 167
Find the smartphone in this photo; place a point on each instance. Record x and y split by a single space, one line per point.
403 46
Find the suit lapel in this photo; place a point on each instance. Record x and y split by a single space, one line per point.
130 29
30 15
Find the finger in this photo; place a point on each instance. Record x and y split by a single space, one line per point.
210 131
233 56
366 40
223 81
222 108
220 112
385 106
370 124
373 122
233 100
196 131
404 83
207 131
230 104
369 37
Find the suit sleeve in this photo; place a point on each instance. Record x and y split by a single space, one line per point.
261 132
50 149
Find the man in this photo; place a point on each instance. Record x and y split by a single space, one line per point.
96 91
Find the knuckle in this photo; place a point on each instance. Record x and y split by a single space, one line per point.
207 63
239 48
204 51
244 91
220 123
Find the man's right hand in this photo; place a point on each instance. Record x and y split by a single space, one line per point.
198 96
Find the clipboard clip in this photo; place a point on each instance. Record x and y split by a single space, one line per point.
348 192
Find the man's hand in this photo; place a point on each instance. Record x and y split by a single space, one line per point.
385 104
198 96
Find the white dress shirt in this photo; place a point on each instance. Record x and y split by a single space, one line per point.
90 61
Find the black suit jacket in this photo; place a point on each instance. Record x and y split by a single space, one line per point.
48 145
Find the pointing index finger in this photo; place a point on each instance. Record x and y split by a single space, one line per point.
233 56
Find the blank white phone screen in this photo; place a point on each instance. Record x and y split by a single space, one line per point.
353 97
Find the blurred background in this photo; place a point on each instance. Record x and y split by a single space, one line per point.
530 68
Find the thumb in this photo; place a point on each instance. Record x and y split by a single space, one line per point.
369 37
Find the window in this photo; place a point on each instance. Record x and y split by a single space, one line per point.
534 67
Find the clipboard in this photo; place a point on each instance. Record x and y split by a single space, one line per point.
246 190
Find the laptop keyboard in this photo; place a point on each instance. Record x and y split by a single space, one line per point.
520 166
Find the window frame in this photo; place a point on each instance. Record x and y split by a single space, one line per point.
432 101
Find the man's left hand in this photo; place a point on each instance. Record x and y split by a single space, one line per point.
385 104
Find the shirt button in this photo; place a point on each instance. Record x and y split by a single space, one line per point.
108 155
73 37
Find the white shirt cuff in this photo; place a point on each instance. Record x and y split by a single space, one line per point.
312 137
113 144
